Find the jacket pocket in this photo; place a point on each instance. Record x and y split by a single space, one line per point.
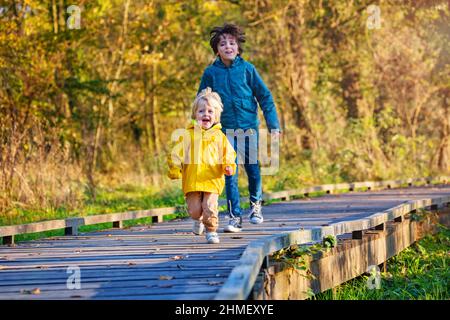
249 105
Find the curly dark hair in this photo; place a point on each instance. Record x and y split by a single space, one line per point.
227 28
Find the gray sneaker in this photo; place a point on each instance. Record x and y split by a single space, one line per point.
255 214
212 237
234 224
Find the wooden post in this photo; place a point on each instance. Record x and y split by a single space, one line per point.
71 231
157 219
383 267
357 234
118 224
8 240
265 263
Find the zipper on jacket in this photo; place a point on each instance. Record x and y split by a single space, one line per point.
232 95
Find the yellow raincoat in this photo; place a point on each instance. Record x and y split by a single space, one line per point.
199 157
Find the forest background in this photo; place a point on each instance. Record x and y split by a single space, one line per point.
362 90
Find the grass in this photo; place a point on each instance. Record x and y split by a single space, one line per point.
420 272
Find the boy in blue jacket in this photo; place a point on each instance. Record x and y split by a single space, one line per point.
240 88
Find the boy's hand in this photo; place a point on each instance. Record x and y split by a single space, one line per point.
275 134
228 171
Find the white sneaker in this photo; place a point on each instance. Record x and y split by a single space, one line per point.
255 213
198 228
234 224
212 237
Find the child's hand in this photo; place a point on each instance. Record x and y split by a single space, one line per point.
228 171
275 134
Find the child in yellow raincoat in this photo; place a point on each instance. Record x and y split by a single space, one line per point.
201 158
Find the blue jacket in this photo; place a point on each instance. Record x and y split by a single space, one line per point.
238 85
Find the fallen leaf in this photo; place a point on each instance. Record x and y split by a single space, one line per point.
176 258
32 291
165 277
181 267
236 237
131 263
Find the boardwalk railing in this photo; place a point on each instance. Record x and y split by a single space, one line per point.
242 278
71 225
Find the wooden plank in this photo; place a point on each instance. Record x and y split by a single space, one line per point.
32 227
183 263
99 293
124 296
107 275
117 283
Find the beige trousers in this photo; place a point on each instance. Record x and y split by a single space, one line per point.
203 206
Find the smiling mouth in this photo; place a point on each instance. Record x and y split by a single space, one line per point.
206 120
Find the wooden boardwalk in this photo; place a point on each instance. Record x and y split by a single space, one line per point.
165 260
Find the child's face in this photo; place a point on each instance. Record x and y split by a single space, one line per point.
227 48
205 116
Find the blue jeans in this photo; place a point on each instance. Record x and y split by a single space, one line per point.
247 151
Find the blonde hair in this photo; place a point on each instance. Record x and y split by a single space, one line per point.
212 99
